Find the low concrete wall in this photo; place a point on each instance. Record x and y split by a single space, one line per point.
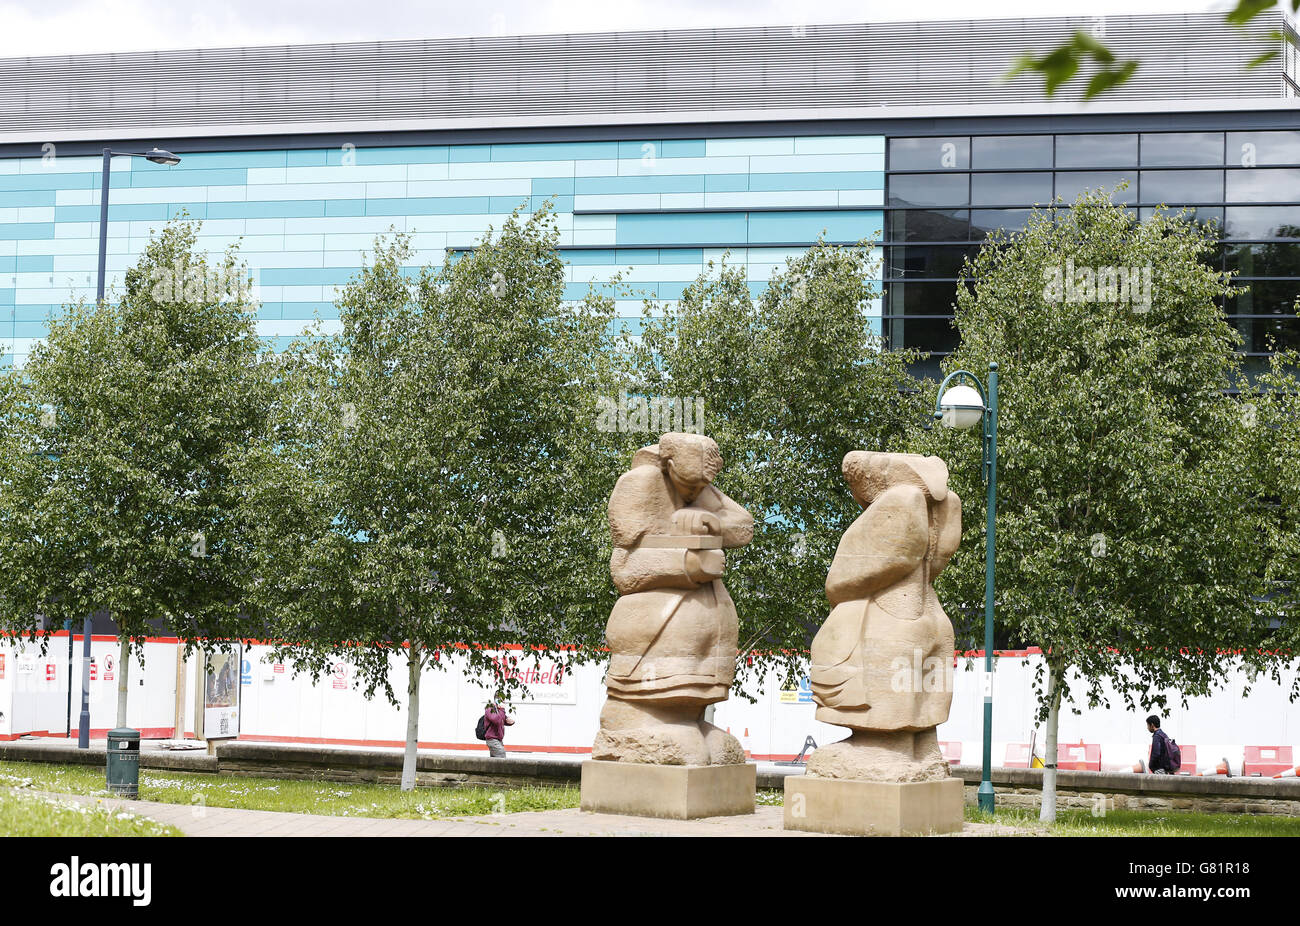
1022 787
65 752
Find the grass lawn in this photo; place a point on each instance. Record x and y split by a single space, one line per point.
1124 822
293 796
1145 823
33 815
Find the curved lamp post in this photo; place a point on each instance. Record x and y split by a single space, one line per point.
157 156
963 406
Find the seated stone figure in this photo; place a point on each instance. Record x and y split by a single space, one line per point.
882 662
672 635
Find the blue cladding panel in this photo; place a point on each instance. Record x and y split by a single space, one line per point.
309 239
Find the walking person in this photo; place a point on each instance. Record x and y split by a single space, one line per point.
1166 757
495 721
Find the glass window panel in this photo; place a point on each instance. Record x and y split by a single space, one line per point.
1070 183
921 298
1251 149
929 153
1262 221
1256 332
1011 189
1272 298
928 189
918 262
1280 259
985 221
994 151
1182 149
929 225
935 335
1096 151
1263 185
1174 187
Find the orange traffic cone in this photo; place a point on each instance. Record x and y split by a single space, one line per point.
1221 769
744 742
1289 773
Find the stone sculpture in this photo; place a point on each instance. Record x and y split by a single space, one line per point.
882 662
672 635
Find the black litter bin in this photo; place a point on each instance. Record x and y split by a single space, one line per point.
124 762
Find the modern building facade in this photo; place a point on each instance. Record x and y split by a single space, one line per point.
659 152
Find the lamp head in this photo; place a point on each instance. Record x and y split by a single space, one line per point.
159 156
962 407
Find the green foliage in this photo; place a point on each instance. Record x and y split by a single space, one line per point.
122 440
435 477
1127 539
790 382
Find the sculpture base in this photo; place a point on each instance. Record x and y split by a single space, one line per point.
677 792
852 807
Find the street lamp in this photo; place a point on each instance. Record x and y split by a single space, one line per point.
963 406
157 156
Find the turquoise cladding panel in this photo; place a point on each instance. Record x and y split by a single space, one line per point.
305 218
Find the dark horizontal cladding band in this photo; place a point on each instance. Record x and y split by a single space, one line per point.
284 136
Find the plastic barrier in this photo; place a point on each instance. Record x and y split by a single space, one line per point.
1189 760
1267 761
1079 757
1017 756
951 750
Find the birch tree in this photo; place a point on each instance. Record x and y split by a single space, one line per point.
437 480
134 415
1127 540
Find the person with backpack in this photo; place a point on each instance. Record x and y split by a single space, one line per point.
492 729
1166 757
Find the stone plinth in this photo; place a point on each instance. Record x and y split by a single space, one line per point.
677 792
853 807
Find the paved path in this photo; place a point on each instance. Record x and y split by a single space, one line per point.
228 821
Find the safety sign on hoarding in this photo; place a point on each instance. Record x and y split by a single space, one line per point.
51 672
340 675
94 670
2 666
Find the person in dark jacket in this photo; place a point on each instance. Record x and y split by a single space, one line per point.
494 729
1160 762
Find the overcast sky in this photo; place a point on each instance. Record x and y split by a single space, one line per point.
52 27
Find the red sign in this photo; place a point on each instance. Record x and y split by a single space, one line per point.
278 668
51 671
2 665
340 675
108 668
94 671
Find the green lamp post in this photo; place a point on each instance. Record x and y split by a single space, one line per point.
963 406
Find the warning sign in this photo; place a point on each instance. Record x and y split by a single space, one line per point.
278 668
108 668
2 666
51 671
340 675
94 671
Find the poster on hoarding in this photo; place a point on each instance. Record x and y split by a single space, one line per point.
548 681
221 694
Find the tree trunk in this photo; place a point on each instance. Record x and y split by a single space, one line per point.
1047 812
412 716
123 673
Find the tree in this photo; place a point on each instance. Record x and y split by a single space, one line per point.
123 497
1127 543
436 478
788 383
1063 63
